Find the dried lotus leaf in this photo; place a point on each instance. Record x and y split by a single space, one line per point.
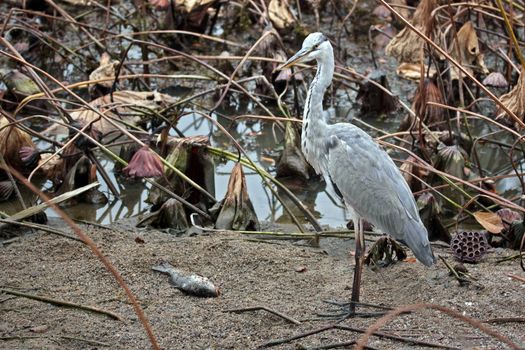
429 91
280 14
123 107
237 212
466 51
514 100
490 221
407 45
6 190
106 70
12 140
190 5
170 215
292 161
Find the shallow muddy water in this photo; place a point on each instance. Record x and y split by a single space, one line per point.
261 142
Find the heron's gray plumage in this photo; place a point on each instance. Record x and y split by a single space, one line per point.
368 180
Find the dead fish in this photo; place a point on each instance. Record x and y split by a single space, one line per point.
191 284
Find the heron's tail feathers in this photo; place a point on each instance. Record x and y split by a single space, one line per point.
416 238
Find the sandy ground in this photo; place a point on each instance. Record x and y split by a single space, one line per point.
287 276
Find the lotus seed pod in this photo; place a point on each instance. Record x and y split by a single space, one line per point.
469 246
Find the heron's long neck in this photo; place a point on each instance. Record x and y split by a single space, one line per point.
313 117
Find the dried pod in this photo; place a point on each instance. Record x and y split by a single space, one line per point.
431 214
514 100
407 46
495 79
237 212
292 162
428 91
144 163
374 99
469 246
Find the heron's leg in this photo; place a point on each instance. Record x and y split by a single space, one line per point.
349 309
359 260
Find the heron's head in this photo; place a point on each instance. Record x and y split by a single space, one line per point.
314 47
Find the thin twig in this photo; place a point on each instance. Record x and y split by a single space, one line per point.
398 338
453 271
22 337
272 311
512 257
297 336
61 303
517 278
473 322
506 320
338 345
45 228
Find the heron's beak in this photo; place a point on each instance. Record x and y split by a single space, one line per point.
295 58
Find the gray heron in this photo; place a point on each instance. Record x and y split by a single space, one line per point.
361 173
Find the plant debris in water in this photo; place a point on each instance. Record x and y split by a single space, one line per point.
384 252
236 209
292 162
170 215
144 163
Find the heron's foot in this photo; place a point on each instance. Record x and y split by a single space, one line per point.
345 310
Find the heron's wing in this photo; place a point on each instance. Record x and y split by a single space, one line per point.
366 175
372 185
